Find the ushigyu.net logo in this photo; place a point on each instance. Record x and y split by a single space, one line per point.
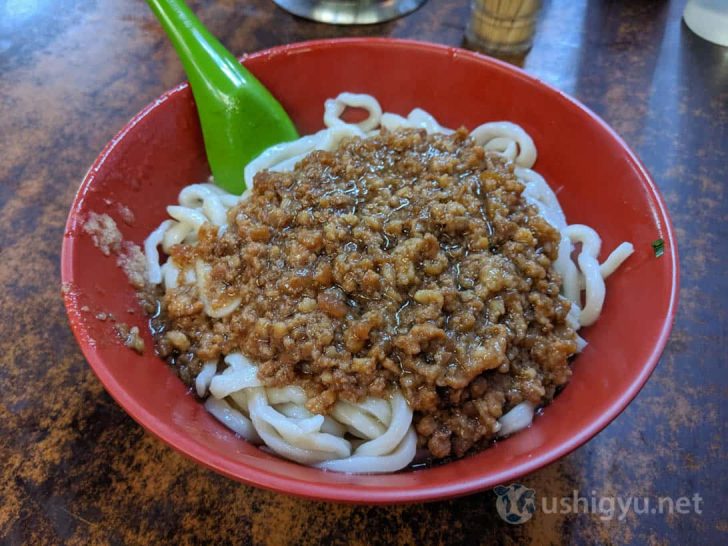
516 504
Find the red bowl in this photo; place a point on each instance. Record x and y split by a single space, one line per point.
599 181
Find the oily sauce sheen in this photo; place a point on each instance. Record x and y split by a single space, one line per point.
401 259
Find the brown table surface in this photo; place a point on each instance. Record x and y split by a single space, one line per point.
75 468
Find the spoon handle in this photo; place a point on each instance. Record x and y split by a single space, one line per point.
222 87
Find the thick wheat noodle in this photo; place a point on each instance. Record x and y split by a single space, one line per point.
277 416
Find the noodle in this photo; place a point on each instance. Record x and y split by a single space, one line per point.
374 435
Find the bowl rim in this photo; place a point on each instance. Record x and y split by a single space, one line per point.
369 495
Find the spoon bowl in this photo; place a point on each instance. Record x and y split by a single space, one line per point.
239 116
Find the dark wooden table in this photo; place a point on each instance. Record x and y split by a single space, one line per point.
75 468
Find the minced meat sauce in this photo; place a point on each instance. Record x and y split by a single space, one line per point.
402 259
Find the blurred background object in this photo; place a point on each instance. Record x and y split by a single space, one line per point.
708 19
502 27
350 12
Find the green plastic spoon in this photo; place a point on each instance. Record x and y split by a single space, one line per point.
239 117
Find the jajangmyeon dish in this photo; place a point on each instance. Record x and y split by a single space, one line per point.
385 291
